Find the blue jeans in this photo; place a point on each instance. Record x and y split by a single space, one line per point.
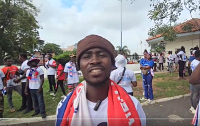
147 80
38 101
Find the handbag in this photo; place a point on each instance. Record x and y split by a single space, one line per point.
144 72
122 76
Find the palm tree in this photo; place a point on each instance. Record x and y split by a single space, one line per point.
125 50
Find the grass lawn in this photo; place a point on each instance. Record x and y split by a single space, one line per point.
164 85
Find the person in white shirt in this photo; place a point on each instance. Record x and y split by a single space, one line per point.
176 59
98 100
170 61
2 78
71 75
122 76
196 88
182 61
161 61
35 81
26 99
50 65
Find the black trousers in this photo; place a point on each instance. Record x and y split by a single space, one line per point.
51 79
26 99
181 67
60 82
161 65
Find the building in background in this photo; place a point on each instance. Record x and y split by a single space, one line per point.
188 39
70 48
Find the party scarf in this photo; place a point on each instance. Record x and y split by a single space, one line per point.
196 119
70 69
31 73
73 110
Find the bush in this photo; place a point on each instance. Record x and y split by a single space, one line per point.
64 56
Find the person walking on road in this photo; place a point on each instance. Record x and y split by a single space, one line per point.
98 101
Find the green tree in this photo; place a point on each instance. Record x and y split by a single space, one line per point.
18 26
125 50
157 47
165 14
52 48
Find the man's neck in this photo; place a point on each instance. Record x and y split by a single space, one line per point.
94 94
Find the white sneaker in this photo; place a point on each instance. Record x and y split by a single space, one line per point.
63 96
150 101
192 110
52 94
143 99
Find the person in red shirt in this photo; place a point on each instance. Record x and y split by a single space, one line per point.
10 82
61 76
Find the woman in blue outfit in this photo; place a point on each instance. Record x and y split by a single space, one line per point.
148 77
141 64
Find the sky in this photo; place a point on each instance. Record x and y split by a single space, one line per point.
65 22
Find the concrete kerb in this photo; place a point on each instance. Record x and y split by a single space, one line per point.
12 121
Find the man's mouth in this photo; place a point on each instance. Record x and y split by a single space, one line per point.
95 70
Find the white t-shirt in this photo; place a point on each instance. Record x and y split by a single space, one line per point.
184 58
99 117
34 82
161 59
194 64
50 70
176 58
170 58
23 67
73 76
2 75
129 76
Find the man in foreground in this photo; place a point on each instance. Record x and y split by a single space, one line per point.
98 101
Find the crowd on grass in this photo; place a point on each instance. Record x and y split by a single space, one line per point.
107 87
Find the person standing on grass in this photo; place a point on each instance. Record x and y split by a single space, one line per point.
71 75
196 88
98 101
10 72
50 65
2 78
122 76
182 61
147 78
154 57
35 81
176 59
26 99
61 76
161 61
142 61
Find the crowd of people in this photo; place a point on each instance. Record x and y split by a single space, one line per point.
28 82
107 87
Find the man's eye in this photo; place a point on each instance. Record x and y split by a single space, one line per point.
102 54
85 56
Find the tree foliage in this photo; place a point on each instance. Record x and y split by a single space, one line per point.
52 48
65 55
165 14
158 47
18 26
125 50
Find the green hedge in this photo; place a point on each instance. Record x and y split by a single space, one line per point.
64 56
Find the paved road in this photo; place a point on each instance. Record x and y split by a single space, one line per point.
171 113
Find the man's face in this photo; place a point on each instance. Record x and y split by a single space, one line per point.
33 63
49 57
73 59
20 59
8 62
96 66
145 55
